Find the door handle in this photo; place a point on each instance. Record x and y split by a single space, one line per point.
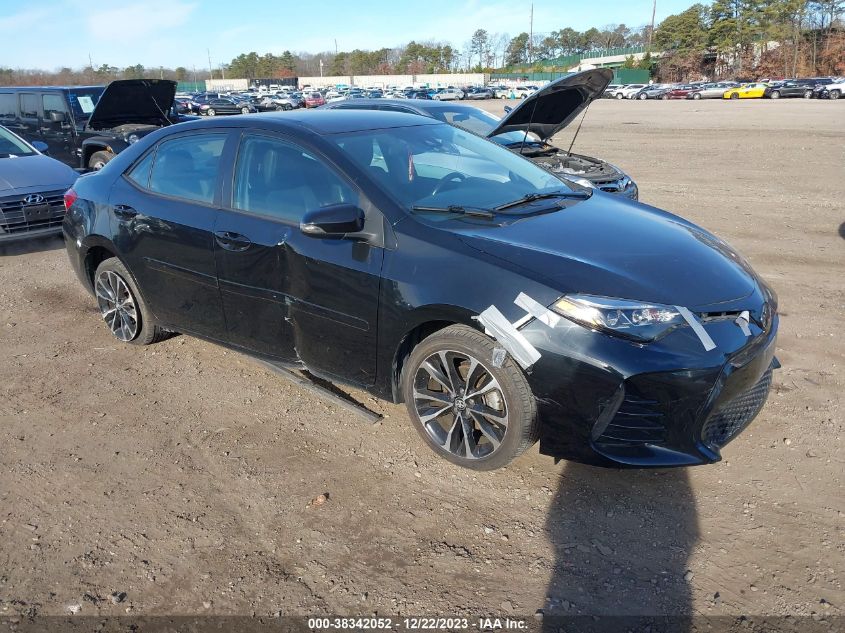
232 241
124 211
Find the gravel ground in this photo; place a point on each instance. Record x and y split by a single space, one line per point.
181 474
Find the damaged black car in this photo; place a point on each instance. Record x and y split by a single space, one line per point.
527 128
503 304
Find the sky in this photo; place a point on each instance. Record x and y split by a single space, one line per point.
53 33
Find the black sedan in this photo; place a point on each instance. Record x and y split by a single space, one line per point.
32 188
431 266
783 89
226 105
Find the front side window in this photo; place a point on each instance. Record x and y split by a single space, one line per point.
440 165
11 145
187 167
53 103
283 181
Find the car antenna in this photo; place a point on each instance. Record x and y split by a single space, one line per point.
580 123
527 129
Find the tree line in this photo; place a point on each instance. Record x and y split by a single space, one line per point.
753 38
717 39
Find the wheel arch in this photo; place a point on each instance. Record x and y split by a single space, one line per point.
423 323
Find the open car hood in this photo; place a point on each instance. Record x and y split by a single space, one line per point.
551 108
140 101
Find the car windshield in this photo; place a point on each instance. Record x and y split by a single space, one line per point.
83 100
11 145
440 166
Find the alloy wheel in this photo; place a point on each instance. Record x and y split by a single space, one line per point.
117 305
244 110
460 404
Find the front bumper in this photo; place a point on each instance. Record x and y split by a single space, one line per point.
609 402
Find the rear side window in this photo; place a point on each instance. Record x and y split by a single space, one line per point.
187 167
8 111
29 106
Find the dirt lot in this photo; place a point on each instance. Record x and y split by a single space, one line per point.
179 474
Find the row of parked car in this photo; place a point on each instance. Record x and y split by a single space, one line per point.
85 127
808 88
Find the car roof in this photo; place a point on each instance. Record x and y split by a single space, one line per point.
30 88
319 121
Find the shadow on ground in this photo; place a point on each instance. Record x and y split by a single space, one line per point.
622 543
24 247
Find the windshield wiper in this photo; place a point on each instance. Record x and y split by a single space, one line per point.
455 208
531 197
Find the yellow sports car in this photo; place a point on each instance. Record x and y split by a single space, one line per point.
746 91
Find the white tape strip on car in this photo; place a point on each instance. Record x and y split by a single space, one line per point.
742 321
510 338
703 336
537 310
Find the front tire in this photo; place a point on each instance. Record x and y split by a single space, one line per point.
696 96
642 97
619 95
470 412
734 95
775 94
808 94
210 112
834 94
244 110
121 306
99 160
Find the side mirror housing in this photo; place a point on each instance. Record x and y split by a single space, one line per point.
57 117
41 146
508 109
333 221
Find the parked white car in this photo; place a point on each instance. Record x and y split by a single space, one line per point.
449 94
628 91
833 91
519 92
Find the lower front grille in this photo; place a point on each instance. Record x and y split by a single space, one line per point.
14 216
728 421
638 421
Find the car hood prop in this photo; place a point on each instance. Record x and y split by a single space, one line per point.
555 105
138 101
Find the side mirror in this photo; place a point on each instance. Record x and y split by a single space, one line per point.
57 117
41 146
508 109
336 220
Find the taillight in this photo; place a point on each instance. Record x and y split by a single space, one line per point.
70 197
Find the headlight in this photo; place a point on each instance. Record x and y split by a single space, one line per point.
621 317
132 138
580 181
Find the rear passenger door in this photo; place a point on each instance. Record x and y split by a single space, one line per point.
59 135
164 210
28 123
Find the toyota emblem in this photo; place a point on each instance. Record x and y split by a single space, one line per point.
34 198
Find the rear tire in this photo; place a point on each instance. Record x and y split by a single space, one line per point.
99 160
696 96
619 95
122 307
775 94
642 97
808 94
834 94
493 406
210 112
734 95
244 110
